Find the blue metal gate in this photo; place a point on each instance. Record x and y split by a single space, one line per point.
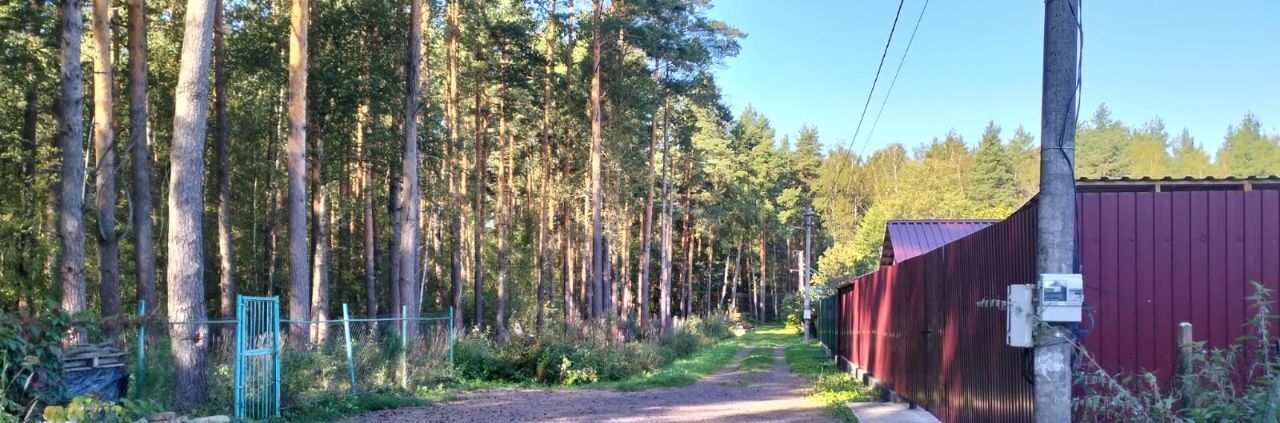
257 374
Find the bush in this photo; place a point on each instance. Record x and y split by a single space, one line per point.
1240 382
553 359
793 311
84 409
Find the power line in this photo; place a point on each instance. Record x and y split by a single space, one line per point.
894 81
872 92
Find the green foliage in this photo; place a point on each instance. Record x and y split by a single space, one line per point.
758 360
31 360
86 409
1239 382
992 178
1248 151
552 359
334 406
831 386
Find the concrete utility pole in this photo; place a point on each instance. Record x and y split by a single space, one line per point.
1056 245
804 268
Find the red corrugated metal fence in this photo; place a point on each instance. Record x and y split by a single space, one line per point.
1150 260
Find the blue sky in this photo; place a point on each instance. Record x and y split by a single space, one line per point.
1198 65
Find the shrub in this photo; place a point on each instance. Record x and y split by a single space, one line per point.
552 358
83 409
1240 382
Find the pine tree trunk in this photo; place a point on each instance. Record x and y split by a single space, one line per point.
479 179
737 273
104 147
597 153
319 245
764 271
624 270
504 201
366 209
724 285
69 112
544 194
646 226
665 300
411 213
222 147
30 150
393 242
299 281
452 13
566 219
711 263
185 260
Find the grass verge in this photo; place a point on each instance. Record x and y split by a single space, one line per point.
831 386
684 371
760 359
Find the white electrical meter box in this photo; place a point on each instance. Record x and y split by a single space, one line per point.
1019 309
1061 297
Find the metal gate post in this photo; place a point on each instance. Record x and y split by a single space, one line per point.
404 347
142 342
450 340
238 387
275 346
346 336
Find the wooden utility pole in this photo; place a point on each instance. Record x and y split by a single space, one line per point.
804 268
1056 213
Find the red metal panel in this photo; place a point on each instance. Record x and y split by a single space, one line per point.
1144 250
1162 262
1150 260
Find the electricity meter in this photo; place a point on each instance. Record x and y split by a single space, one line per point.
1061 297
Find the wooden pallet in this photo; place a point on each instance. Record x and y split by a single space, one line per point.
97 356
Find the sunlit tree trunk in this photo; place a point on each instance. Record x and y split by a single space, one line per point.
711 262
724 286
665 299
646 225
68 112
185 264
319 244
104 148
764 272
454 169
597 156
411 213
299 282
504 201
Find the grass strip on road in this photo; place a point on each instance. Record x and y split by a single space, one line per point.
831 386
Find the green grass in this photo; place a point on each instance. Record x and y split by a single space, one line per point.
684 371
336 406
760 359
831 386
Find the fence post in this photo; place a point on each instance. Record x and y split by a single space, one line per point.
346 336
142 342
450 340
404 347
1186 348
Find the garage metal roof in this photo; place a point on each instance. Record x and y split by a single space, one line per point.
904 239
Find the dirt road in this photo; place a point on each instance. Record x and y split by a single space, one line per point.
775 395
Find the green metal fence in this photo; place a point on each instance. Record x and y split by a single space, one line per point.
826 322
346 355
